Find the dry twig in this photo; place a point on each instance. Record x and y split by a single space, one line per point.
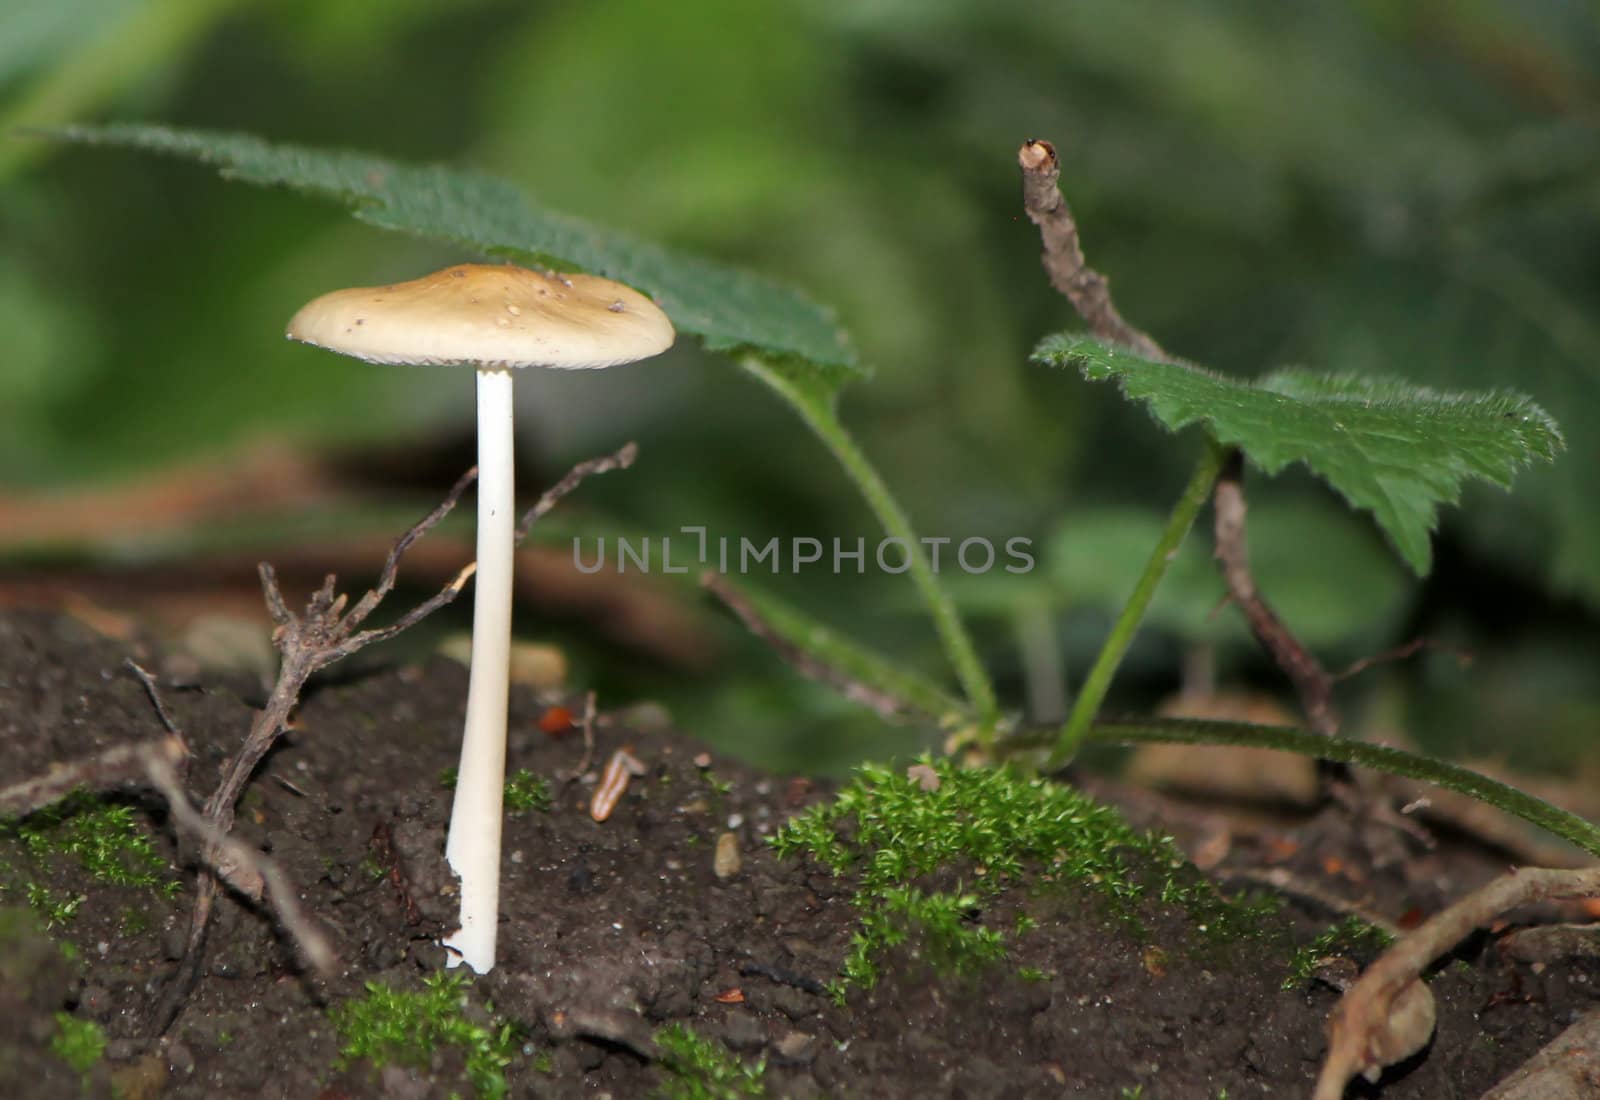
808 665
102 771
322 634
1375 1024
1566 1068
317 637
1310 679
620 460
1087 289
313 944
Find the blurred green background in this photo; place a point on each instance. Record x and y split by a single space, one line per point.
1406 189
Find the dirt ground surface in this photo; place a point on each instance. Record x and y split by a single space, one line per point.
612 930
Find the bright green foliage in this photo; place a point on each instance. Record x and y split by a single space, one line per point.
79 1043
983 828
53 909
526 791
727 309
1350 936
389 1025
104 837
701 1069
1391 448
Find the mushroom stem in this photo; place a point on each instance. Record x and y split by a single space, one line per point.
473 849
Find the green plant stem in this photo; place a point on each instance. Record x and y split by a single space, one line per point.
1452 777
1098 682
815 404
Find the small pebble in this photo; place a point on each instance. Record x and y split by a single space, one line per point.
727 861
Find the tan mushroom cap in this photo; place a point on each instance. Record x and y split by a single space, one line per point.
488 315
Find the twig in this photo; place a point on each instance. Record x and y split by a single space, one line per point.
1568 1067
391 564
1085 288
1400 653
576 476
1369 1027
586 724
110 768
154 694
1311 681
282 893
322 634
1308 891
807 664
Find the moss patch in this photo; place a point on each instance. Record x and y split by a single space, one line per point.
932 843
406 1027
104 838
702 1069
1351 936
79 1043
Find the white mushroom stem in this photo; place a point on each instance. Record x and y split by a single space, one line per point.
473 849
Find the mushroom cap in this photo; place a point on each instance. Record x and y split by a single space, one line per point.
488 315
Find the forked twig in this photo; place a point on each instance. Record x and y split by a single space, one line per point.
317 637
322 634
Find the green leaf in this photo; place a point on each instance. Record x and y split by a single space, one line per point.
820 653
1391 448
729 310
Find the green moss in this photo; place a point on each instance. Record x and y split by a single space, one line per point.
526 791
406 1027
1351 936
104 837
79 1043
702 1069
971 833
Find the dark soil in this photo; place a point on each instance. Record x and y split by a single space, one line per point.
612 930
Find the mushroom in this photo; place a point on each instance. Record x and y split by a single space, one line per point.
492 317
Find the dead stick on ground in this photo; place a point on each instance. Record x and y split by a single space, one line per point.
285 902
1566 1068
102 771
306 643
1370 1027
319 636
